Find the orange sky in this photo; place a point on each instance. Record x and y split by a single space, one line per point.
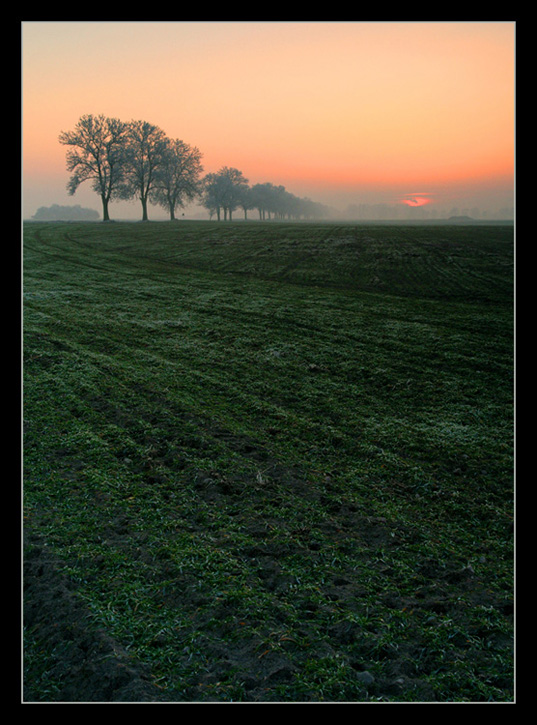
345 112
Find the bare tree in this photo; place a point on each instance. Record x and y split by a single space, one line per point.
247 200
263 196
212 194
97 154
224 191
234 185
178 176
146 145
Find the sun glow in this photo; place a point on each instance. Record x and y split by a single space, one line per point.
418 199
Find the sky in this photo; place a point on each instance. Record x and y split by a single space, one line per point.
419 116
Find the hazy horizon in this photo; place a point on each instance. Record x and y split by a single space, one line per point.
415 116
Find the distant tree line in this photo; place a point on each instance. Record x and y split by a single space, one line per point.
65 213
137 160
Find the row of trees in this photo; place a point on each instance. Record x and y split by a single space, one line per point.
228 190
137 160
131 160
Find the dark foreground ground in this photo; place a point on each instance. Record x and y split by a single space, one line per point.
268 463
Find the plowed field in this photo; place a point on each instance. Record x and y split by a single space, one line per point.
268 462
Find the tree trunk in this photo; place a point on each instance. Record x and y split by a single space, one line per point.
144 209
106 217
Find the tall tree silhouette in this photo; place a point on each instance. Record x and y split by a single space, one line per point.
145 153
96 153
178 176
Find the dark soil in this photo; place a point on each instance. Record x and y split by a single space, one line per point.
88 663
91 667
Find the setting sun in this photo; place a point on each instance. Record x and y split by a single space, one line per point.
419 199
